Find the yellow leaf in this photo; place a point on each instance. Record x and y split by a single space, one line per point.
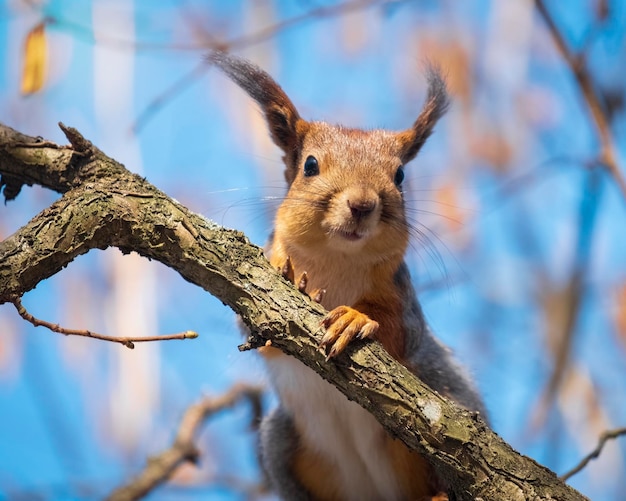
35 60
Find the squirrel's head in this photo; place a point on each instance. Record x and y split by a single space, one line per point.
345 185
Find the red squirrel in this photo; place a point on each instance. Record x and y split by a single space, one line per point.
342 227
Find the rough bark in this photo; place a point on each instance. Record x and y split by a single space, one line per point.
104 205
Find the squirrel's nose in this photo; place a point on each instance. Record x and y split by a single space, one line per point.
361 208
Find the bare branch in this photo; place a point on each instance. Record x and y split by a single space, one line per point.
248 40
126 341
562 304
184 449
209 43
608 155
604 438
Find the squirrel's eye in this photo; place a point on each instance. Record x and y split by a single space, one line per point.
310 166
399 177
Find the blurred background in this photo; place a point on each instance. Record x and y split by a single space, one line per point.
519 249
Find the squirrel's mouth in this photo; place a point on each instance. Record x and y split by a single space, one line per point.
352 236
346 232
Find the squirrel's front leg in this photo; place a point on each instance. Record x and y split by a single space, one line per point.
343 324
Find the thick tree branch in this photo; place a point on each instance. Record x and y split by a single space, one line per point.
107 206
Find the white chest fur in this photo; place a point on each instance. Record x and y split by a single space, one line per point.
330 424
338 429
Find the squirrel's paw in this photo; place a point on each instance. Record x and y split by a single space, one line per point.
288 272
343 324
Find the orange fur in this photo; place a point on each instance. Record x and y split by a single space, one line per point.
301 237
317 475
343 224
386 308
270 352
382 304
414 474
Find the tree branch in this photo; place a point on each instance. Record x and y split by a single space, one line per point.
108 206
604 438
129 342
161 467
576 63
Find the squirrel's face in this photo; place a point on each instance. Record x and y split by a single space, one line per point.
346 193
344 184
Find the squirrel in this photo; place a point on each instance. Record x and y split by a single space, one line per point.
343 230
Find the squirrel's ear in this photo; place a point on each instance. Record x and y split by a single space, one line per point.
282 116
437 102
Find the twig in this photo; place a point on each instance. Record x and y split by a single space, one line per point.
166 95
243 41
79 144
161 467
209 43
126 341
604 438
321 12
562 305
608 156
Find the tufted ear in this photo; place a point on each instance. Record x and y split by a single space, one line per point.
437 101
284 122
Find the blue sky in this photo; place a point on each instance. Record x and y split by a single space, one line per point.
501 191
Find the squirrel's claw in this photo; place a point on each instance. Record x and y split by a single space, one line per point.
287 270
289 273
303 282
343 324
317 295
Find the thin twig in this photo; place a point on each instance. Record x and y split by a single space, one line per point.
159 468
126 341
576 62
168 94
604 438
322 12
243 41
208 43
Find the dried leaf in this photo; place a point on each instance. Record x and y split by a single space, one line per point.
619 313
560 305
603 10
356 32
493 148
35 60
447 198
